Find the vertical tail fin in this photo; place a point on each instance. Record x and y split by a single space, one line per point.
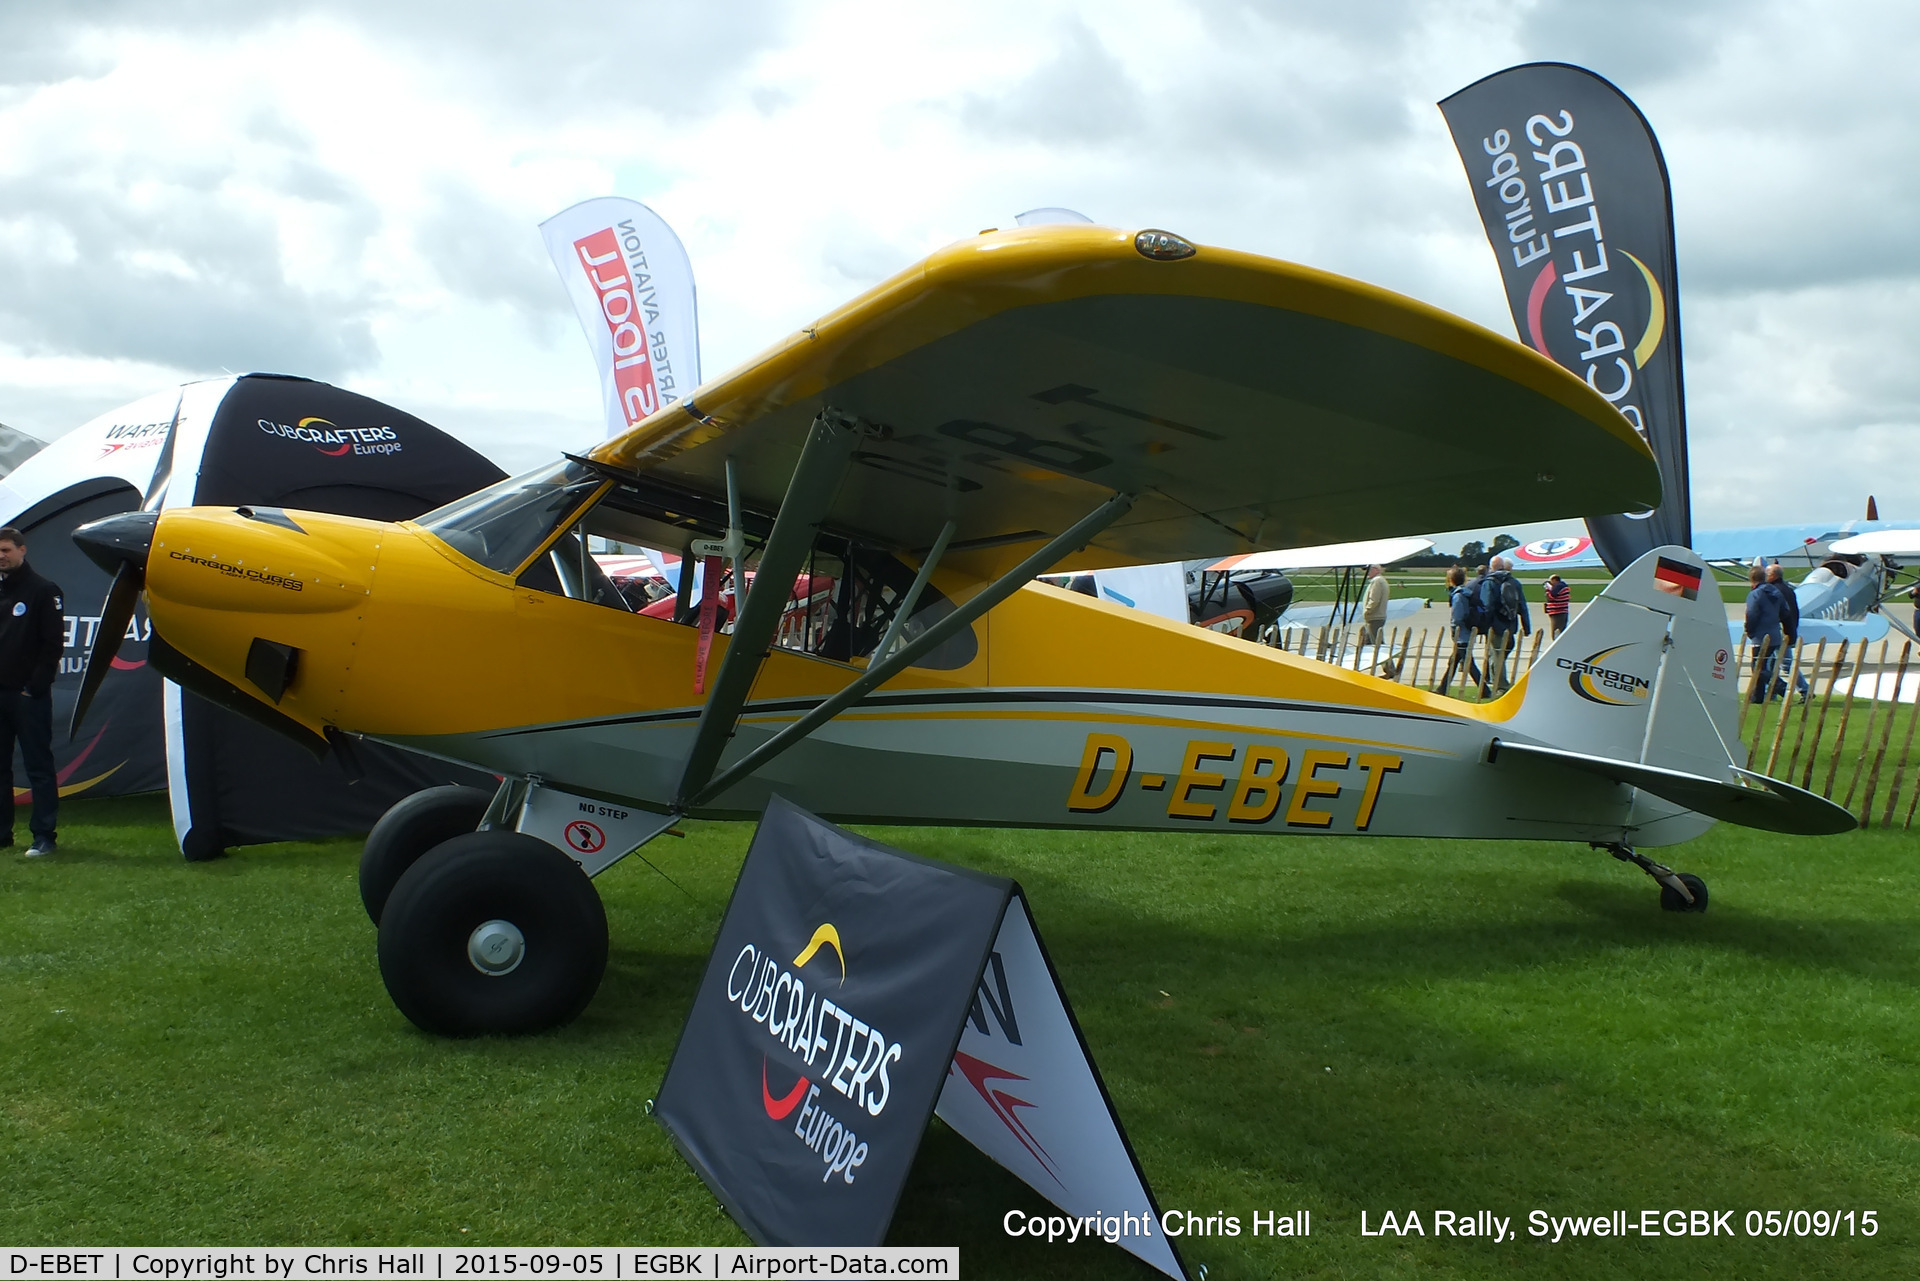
1643 674
1642 689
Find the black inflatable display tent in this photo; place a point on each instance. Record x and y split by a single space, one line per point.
264 440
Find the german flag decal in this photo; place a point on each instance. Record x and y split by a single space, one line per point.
1677 578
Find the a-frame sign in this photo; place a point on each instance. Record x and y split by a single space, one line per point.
853 990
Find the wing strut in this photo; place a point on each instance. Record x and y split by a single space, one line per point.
912 598
823 460
903 657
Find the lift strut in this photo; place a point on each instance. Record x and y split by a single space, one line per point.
902 656
823 461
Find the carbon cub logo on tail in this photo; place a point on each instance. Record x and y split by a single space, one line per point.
1599 680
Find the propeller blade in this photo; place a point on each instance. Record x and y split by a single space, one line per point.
114 617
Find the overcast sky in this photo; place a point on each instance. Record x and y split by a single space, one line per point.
349 191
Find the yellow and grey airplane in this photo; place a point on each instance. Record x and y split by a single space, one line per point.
1046 399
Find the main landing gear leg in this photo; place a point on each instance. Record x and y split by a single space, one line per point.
1679 891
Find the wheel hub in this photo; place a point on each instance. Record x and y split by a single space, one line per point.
496 948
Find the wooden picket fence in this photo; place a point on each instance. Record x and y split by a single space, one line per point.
1854 764
1785 737
1409 655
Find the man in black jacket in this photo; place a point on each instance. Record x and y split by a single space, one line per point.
33 633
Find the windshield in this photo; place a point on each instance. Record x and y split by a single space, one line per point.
504 524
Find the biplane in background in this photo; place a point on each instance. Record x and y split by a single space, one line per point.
1249 595
1839 596
1048 398
1346 563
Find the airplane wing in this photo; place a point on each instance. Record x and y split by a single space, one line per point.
1373 551
1791 544
1317 614
1881 542
1013 381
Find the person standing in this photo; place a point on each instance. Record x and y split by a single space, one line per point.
1464 613
1478 586
33 633
1373 607
1559 602
1505 606
1763 630
1789 630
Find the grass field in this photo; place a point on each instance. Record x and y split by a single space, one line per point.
205 1054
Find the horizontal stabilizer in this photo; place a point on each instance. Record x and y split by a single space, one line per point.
1755 801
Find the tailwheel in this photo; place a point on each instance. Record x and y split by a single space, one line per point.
1679 891
495 933
1671 900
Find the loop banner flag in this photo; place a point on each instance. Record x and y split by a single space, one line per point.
855 987
1573 193
632 288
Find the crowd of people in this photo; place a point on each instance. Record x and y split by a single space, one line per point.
1489 613
1487 617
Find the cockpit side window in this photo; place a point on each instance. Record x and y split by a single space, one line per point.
548 527
505 524
569 569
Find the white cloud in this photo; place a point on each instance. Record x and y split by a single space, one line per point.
350 191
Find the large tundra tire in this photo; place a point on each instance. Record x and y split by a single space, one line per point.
413 826
493 933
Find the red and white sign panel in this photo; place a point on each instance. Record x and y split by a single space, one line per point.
632 288
1022 1089
1555 553
617 565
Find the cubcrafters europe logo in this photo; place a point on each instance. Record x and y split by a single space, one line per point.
824 1044
1585 300
335 441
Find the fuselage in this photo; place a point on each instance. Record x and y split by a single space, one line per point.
1069 712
